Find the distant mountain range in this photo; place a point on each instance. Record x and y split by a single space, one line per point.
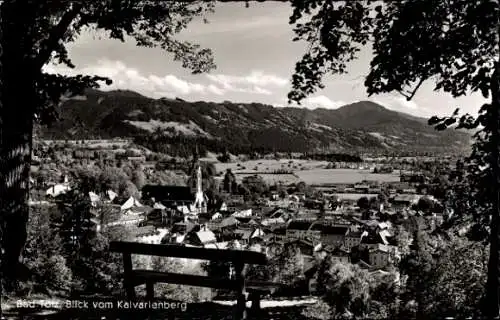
359 127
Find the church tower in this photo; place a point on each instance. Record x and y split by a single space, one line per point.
200 202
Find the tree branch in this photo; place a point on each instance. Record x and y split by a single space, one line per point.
412 93
416 88
403 94
56 34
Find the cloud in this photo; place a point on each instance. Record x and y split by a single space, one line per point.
260 90
412 105
311 103
125 77
215 90
399 103
322 102
255 82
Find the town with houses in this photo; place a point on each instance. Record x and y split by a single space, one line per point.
351 222
249 159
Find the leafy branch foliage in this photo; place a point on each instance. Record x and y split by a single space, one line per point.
55 24
413 41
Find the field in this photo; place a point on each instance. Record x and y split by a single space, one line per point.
325 176
311 172
270 165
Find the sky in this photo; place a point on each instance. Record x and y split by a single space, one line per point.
255 58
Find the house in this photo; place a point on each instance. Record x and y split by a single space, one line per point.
273 221
149 234
247 235
229 222
300 195
413 178
185 210
243 235
111 195
163 217
375 190
372 240
183 227
200 236
340 255
313 204
362 188
206 237
145 210
380 256
320 252
274 196
404 200
94 198
57 190
243 213
159 206
235 200
301 229
257 236
331 234
353 239
216 216
127 220
409 191
223 207
130 203
305 247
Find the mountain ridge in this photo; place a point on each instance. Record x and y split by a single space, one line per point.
357 127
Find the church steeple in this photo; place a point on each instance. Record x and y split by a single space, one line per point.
200 202
198 181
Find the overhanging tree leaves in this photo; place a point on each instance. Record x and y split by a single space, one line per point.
454 43
35 33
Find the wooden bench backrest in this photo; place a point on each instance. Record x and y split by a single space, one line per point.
240 258
176 251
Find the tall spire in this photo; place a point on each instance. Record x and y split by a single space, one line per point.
198 181
200 203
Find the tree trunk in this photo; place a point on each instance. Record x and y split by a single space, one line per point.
492 307
16 124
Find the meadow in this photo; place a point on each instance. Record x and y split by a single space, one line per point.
309 171
348 176
265 165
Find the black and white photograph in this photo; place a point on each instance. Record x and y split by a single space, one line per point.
225 159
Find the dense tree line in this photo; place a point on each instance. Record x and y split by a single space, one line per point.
333 157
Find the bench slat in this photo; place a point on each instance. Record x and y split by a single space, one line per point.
263 285
176 251
144 276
